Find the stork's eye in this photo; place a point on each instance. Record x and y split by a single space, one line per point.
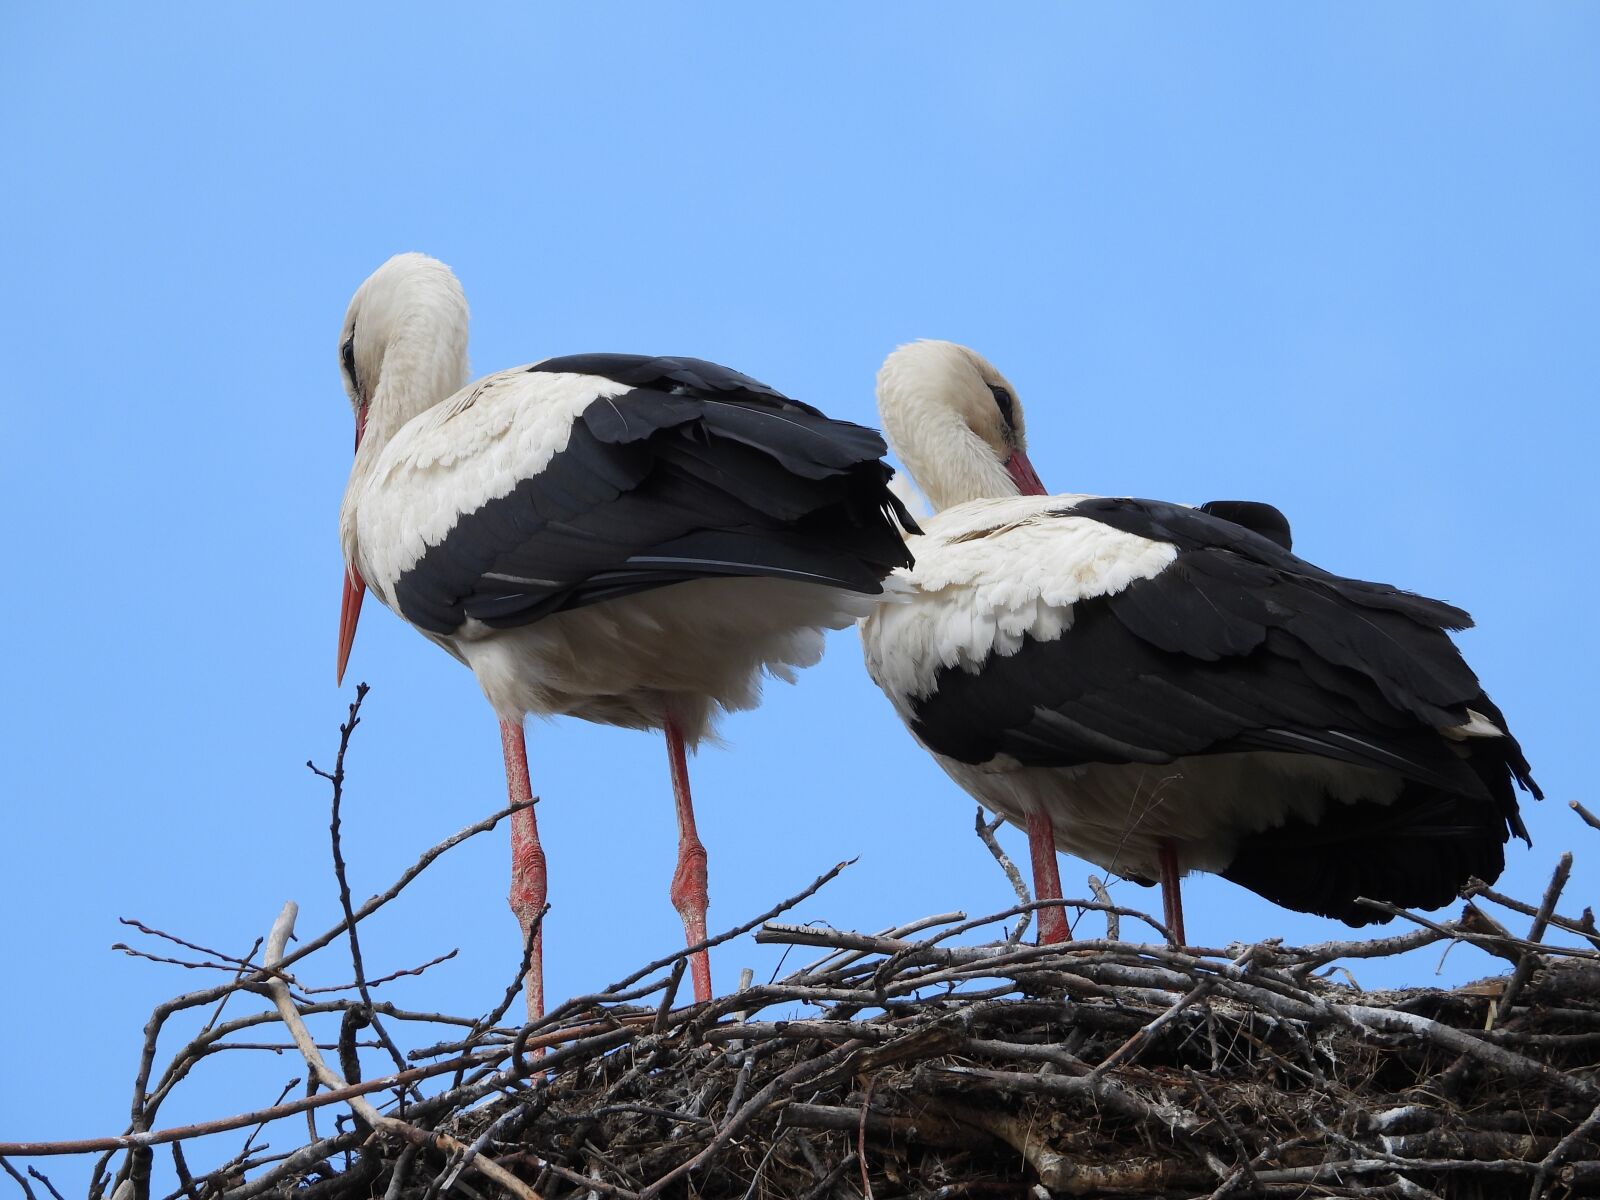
347 354
1003 401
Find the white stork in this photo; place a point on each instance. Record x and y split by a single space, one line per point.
1162 689
626 539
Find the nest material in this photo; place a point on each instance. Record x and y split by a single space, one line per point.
909 1063
903 1066
1101 1069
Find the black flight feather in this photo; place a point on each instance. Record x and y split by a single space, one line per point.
696 472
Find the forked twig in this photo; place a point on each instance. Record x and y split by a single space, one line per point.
985 831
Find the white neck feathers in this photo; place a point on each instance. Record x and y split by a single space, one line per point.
409 321
942 421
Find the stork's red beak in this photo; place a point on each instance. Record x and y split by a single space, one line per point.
1023 475
349 613
355 588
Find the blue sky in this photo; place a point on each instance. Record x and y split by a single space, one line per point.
1341 258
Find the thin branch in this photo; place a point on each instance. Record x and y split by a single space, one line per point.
336 783
1563 1150
236 963
492 1018
260 1116
985 831
1113 921
383 979
180 1167
22 1182
1541 921
1582 926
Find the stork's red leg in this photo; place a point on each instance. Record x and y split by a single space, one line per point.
527 862
1171 895
689 879
1046 878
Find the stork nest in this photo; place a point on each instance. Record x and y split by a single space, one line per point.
914 1062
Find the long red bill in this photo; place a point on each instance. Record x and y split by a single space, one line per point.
349 613
355 588
1023 475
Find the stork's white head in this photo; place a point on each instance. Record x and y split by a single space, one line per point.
403 347
956 423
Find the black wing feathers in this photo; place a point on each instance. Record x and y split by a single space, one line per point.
1195 529
698 472
1240 646
670 375
1269 522
1416 852
1237 628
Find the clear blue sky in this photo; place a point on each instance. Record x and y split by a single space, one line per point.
1344 258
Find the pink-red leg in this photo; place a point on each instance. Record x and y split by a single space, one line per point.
689 879
1046 878
528 890
1171 895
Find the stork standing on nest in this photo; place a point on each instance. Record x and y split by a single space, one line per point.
1162 689
626 539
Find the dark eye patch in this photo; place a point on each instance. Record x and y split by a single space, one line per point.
1004 402
347 353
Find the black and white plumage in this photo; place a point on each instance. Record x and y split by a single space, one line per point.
1148 675
629 539
507 521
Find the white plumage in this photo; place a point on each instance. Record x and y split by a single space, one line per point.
692 652
990 572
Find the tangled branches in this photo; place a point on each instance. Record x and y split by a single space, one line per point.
913 1062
